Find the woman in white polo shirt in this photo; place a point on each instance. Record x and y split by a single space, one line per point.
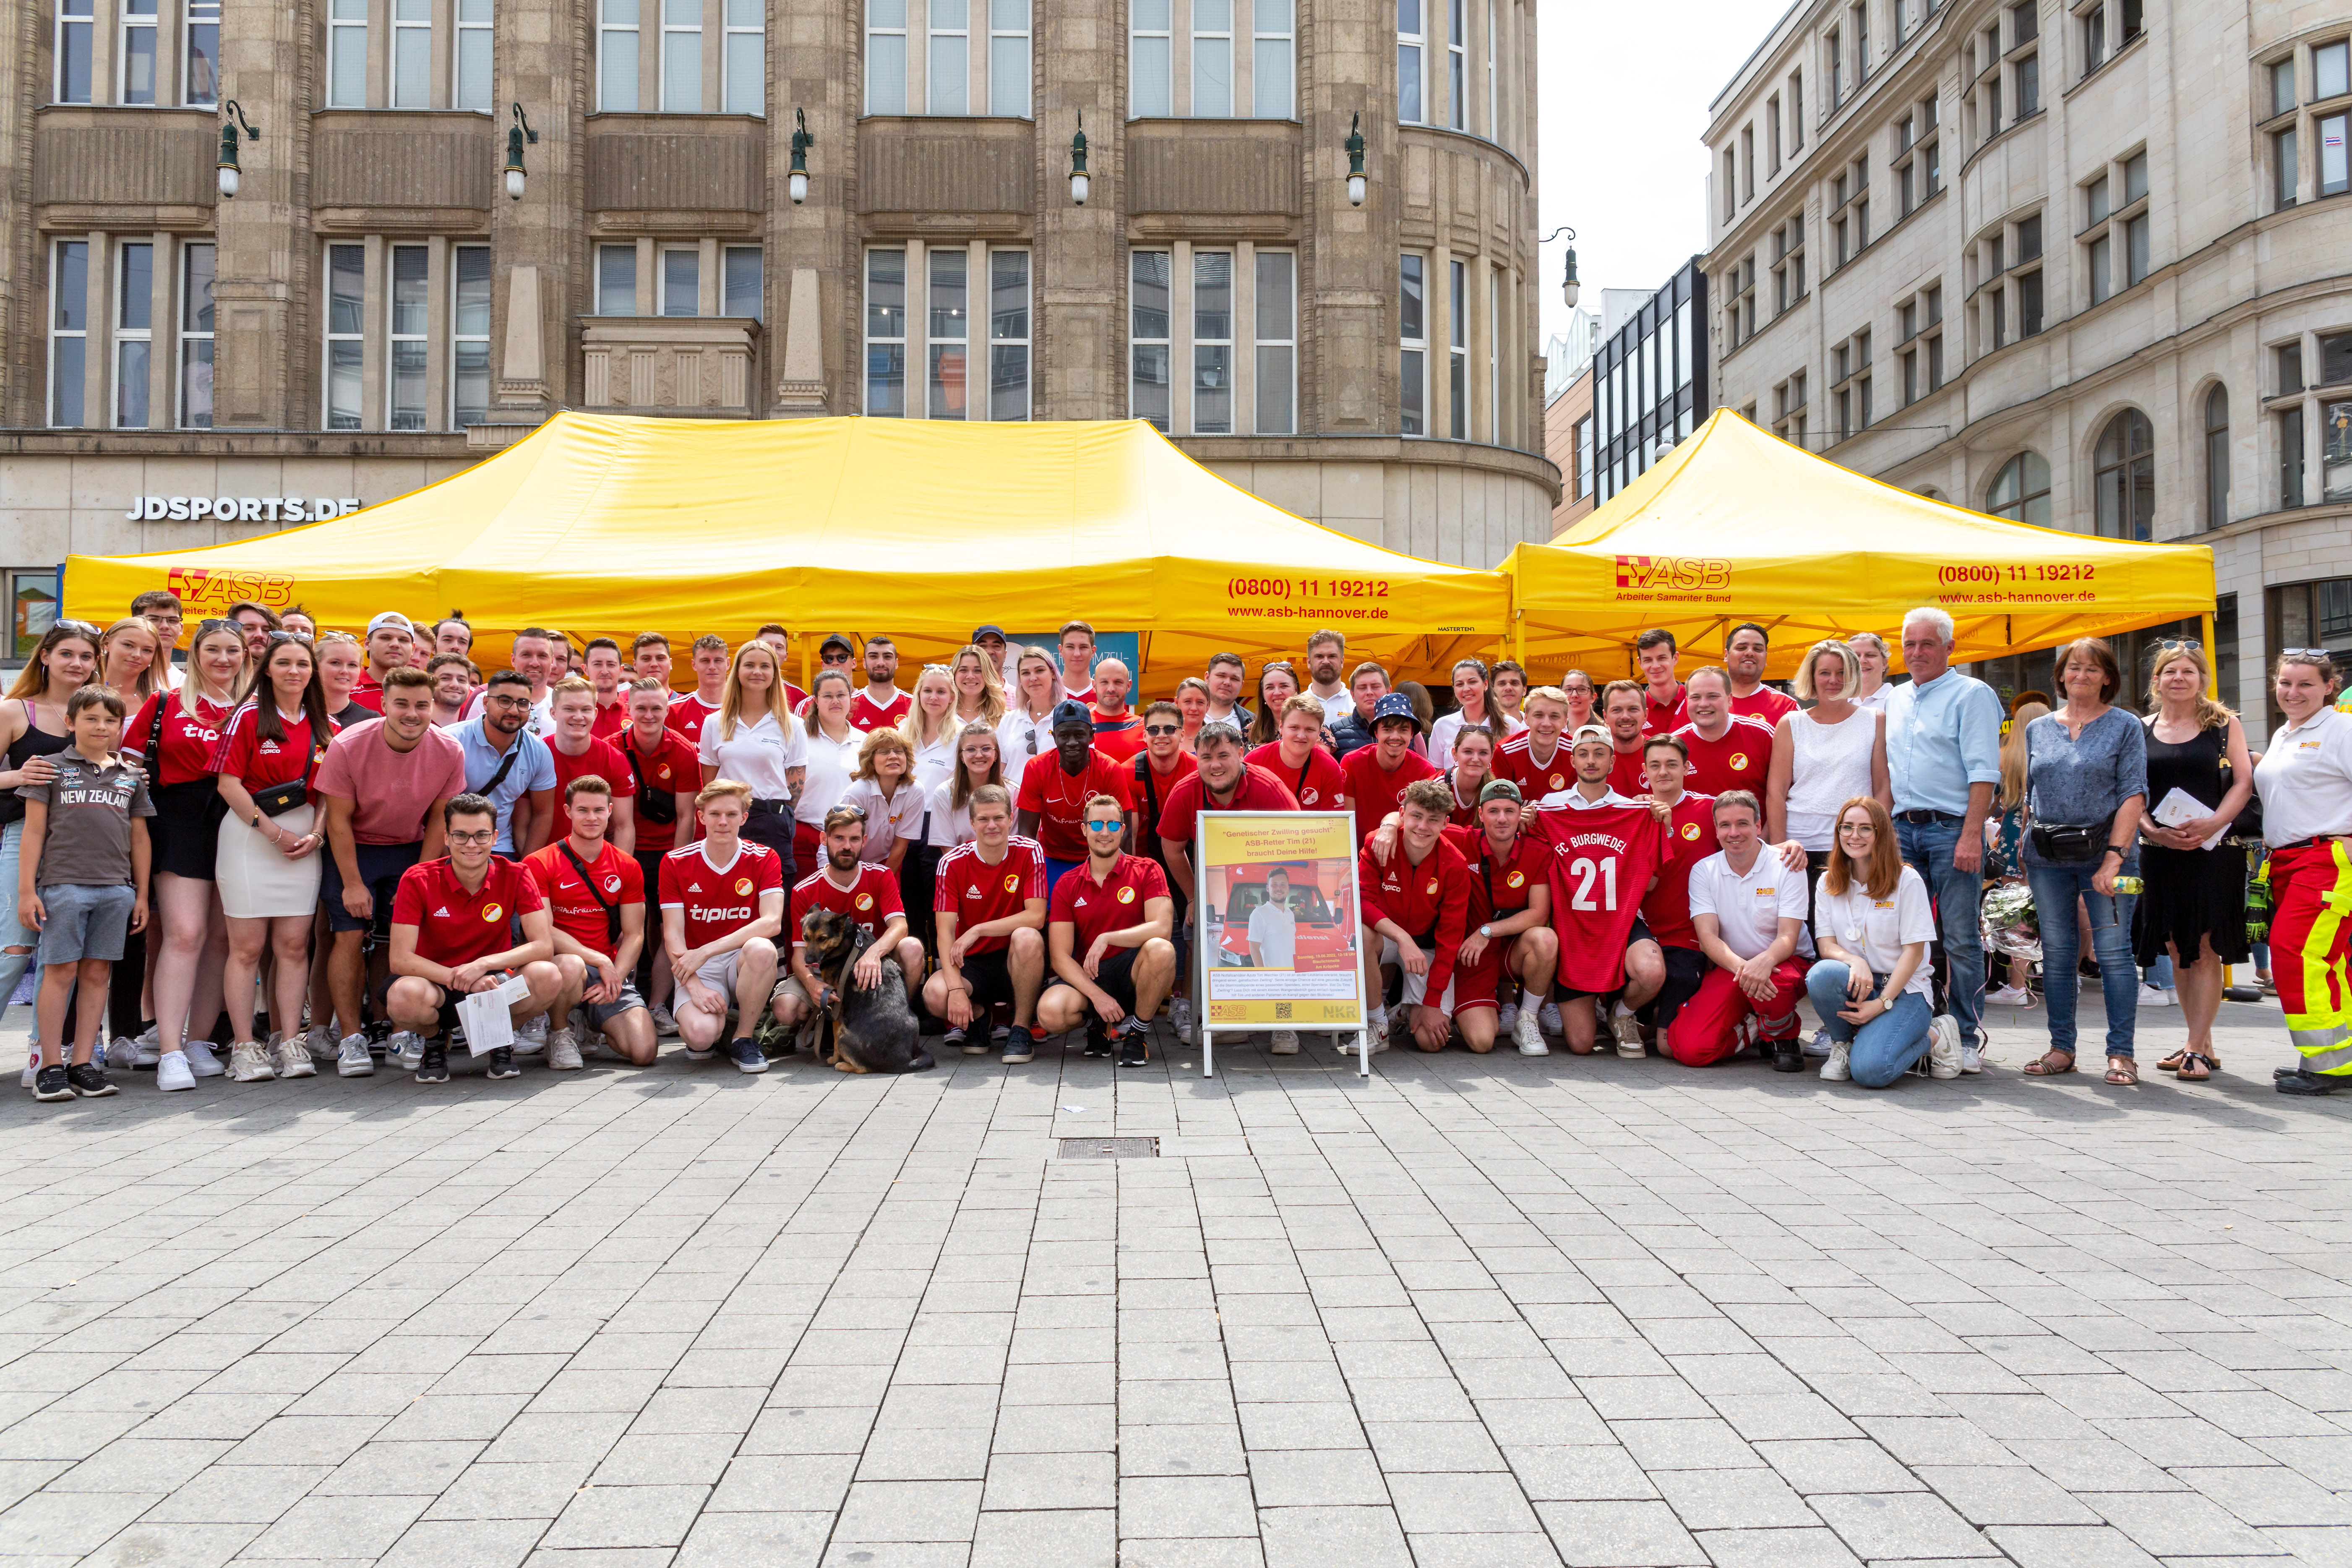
2305 781
832 745
754 739
1027 728
1871 924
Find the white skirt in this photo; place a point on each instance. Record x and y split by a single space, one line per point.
256 880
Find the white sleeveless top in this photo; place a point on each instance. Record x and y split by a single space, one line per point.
1830 765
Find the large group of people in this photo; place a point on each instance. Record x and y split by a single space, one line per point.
304 848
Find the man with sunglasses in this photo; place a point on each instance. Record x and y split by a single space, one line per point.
510 766
452 934
1107 929
1158 769
1053 795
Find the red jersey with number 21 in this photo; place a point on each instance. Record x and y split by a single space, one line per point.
1601 864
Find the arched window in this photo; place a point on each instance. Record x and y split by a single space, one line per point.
2021 491
2216 457
2125 477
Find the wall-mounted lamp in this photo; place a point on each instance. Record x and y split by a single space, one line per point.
517 134
801 142
1355 145
1568 279
1079 183
232 115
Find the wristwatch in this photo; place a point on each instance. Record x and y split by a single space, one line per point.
1487 931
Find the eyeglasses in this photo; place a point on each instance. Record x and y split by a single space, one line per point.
1163 729
1112 825
506 701
488 836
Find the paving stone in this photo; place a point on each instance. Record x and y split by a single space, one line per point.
1619 1535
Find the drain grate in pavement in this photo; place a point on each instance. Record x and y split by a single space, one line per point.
1110 1148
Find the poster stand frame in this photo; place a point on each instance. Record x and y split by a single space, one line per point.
1202 967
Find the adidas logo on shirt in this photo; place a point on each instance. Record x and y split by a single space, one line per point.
442 913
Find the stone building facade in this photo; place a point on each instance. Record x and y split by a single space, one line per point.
371 310
2077 264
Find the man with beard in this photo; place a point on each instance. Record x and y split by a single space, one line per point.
866 893
509 765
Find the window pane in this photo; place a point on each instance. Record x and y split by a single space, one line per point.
681 62
681 283
1213 77
412 68
1275 285
472 383
616 281
1008 301
1270 88
196 289
139 57
2331 155
1409 83
746 85
70 296
743 282
1150 394
474 67
2330 78
1276 410
886 73
135 302
74 47
885 293
1008 382
2335 362
66 379
2136 236
1212 294
950 73
342 386
1150 95
408 386
1410 324
196 384
1410 417
2136 178
1008 76
471 318
1149 294
945 303
408 265
130 385
1457 305
201 77
1458 389
617 90
2101 286
1212 390
346 288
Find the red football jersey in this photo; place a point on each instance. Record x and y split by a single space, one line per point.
1374 793
1501 880
368 692
1465 810
1690 838
1601 864
1319 784
1740 760
673 767
1625 775
1060 800
865 715
1119 739
688 713
1515 759
719 899
1432 899
571 904
1765 704
600 759
976 892
1255 790
243 754
1662 718
188 742
869 902
1116 903
454 927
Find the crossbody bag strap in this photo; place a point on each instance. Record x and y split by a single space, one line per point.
612 910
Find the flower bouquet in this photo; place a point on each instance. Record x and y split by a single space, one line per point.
2010 925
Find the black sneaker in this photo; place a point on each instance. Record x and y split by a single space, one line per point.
1132 1049
434 1065
1789 1056
2306 1083
90 1081
50 1083
747 1054
1097 1043
1020 1046
502 1064
953 1038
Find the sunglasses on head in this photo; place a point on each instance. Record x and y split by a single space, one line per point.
77 628
847 808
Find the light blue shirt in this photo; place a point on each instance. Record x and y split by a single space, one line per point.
1940 738
533 769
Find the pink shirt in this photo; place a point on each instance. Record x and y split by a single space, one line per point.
391 791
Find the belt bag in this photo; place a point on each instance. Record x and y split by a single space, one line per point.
653 805
2068 844
279 799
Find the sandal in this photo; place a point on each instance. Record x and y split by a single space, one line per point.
2196 1067
2046 1066
2123 1072
2172 1063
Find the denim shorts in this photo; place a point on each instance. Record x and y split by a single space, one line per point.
85 922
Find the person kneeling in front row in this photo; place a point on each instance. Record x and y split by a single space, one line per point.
1871 985
988 900
722 903
596 900
1749 910
1107 937
451 935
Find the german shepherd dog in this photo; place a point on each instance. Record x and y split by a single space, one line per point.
865 1031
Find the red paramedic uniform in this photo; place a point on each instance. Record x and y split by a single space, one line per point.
1318 784
1740 760
1374 792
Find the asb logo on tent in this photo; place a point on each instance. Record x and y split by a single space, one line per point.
1678 572
200 587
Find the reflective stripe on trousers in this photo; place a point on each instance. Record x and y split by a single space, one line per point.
2312 888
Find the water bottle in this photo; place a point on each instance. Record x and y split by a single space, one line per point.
2128 885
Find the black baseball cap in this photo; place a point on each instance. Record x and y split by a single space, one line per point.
848 647
991 631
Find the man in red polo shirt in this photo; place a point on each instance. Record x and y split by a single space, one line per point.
1728 751
722 903
452 924
848 884
1378 774
600 663
989 902
1223 781
1310 774
1053 792
596 895
1415 910
710 665
1537 759
1744 653
1106 936
1663 961
1620 710
579 753
1118 728
1662 694
1152 777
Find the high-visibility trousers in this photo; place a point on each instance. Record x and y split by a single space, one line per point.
2311 891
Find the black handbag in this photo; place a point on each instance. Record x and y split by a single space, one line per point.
653 805
2071 843
276 800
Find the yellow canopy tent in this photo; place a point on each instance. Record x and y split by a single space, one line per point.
1735 524
919 530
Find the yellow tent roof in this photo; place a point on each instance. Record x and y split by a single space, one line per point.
920 529
1735 524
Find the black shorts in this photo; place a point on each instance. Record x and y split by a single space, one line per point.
990 975
1641 933
186 829
1116 976
1687 967
381 866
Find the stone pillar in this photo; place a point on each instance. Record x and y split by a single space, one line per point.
1080 270
262 289
814 279
539 50
1347 302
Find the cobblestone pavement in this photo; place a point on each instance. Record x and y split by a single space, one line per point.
1482 1313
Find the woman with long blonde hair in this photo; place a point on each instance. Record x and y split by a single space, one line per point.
128 659
1871 925
753 740
979 688
931 728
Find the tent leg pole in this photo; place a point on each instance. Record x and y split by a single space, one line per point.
2212 664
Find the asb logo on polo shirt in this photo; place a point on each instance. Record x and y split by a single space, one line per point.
1126 895
1432 888
662 772
1768 892
1515 879
491 912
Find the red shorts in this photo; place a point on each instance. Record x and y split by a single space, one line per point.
1480 984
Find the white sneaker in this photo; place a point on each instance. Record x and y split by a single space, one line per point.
171 1071
1180 1014
1524 1030
1628 1031
1972 1058
126 1053
31 1067
1944 1055
1549 1016
320 1041
664 1022
563 1050
1507 1019
531 1038
250 1063
200 1060
405 1050
1286 1043
1820 1047
1839 1067
291 1057
2010 996
2157 996
351 1059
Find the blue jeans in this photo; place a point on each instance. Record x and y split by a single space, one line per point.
1927 849
1881 1050
12 931
2054 890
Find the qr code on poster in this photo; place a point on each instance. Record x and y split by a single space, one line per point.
1282 1009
